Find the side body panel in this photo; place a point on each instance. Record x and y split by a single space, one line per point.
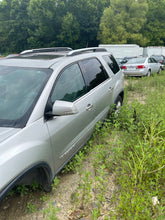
23 150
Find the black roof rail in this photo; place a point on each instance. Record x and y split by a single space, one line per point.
86 50
45 50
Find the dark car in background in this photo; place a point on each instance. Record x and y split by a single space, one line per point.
160 59
122 61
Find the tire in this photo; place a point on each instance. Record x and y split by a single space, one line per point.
47 187
149 73
118 104
160 70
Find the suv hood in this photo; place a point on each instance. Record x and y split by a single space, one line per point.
7 132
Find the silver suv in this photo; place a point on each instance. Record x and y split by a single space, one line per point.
51 100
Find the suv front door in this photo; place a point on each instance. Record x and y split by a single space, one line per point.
68 133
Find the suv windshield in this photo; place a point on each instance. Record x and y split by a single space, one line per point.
19 90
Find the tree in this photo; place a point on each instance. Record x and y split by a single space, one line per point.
13 25
4 24
88 14
45 18
69 33
122 22
155 26
59 23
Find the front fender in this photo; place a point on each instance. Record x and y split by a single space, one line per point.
25 149
21 178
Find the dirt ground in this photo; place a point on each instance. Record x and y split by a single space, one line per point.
133 95
15 207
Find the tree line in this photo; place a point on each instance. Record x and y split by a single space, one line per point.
26 24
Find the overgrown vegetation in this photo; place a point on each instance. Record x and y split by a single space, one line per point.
128 151
133 147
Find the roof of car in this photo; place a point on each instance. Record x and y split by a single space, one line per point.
46 57
30 62
46 50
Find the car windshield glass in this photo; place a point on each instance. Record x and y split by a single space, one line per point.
137 60
19 90
157 58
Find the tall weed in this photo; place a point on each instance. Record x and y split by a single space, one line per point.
139 153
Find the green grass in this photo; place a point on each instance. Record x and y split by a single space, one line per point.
133 147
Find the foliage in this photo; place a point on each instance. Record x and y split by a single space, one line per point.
26 24
132 147
55 183
50 212
88 14
141 175
14 23
22 190
30 208
122 22
154 25
46 23
69 30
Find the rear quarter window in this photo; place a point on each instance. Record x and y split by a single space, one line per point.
112 63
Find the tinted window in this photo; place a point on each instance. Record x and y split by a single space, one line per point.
19 90
150 60
94 73
158 58
153 60
70 85
112 63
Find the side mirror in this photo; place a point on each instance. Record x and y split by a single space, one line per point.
63 108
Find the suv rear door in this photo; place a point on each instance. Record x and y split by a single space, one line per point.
117 77
99 86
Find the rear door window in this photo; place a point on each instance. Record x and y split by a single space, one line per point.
93 72
110 60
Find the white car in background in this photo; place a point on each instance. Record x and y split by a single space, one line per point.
141 66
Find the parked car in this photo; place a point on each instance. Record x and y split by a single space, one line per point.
50 103
118 60
125 59
160 59
141 66
122 61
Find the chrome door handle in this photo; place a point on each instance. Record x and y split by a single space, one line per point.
89 107
110 89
